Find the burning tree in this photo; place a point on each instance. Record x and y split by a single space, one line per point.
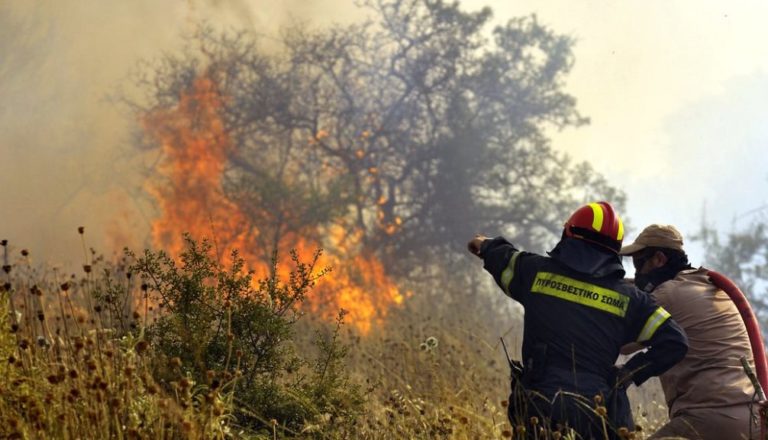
386 142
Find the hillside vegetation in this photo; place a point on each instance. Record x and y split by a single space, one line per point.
147 347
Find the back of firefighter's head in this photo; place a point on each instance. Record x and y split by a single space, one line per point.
596 223
655 247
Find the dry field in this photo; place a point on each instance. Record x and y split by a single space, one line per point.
77 365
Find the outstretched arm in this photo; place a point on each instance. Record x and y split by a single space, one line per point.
501 259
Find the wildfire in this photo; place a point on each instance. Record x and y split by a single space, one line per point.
195 145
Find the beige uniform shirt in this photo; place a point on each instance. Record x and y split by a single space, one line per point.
711 374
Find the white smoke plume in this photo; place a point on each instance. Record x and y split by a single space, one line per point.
65 143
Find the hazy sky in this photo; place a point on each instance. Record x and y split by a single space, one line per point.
675 91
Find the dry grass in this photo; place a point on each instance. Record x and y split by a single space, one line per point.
429 371
67 374
439 371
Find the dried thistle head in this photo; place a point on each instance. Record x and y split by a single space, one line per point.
141 346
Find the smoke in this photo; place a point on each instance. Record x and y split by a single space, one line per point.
65 142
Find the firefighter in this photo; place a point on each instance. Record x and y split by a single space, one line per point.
708 393
579 312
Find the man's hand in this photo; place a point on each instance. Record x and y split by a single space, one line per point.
474 245
631 348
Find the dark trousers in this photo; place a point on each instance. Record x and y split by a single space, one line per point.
564 401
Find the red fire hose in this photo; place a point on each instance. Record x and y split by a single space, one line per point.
753 331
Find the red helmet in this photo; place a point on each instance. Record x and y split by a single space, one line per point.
597 223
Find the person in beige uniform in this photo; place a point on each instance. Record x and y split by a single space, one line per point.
708 393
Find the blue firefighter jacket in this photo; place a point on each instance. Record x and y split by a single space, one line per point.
579 312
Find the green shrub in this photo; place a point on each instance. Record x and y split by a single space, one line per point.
226 332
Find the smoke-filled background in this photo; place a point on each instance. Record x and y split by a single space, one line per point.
674 94
387 144
65 135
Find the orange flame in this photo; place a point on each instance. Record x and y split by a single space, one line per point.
195 144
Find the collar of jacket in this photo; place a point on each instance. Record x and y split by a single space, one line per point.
587 258
653 279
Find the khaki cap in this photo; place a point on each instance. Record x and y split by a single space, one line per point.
662 236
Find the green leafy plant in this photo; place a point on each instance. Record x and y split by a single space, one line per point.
226 332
